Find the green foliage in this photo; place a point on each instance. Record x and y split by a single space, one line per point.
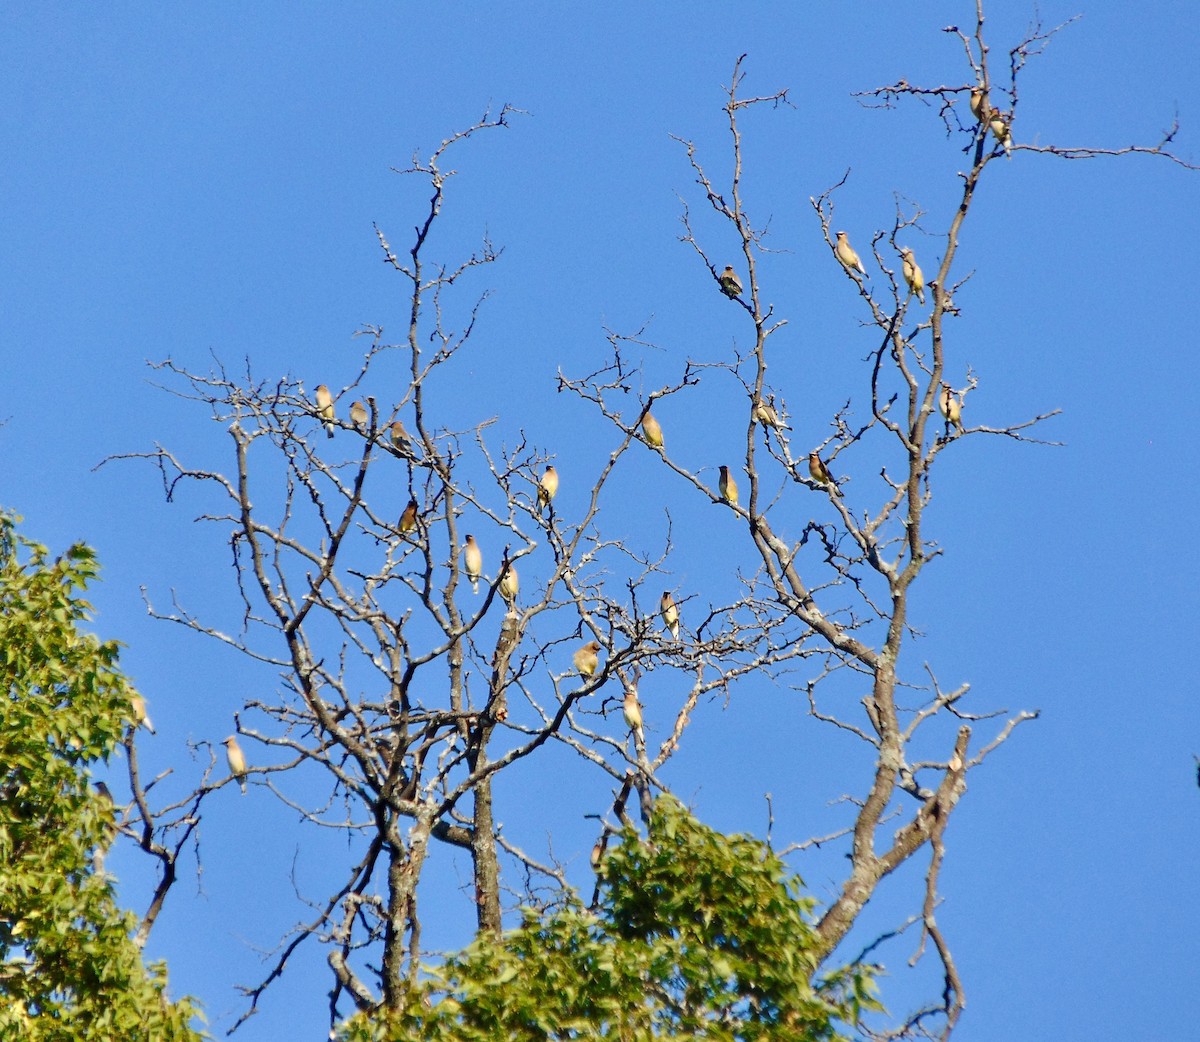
69 969
696 934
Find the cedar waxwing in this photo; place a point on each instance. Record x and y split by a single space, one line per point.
586 659
325 408
237 762
731 285
727 486
597 853
472 562
670 613
547 487
1000 131
979 104
950 407
652 431
359 415
913 274
820 473
408 520
847 257
764 413
401 442
633 714
510 584
139 713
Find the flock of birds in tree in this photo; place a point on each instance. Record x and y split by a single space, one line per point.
586 660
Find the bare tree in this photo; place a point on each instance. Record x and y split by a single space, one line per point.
408 682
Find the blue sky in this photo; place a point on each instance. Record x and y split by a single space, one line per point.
188 181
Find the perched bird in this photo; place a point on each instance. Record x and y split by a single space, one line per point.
510 584
597 853
358 415
408 520
847 257
764 413
652 431
325 408
1000 130
950 407
547 487
820 473
979 103
237 762
472 562
139 712
586 659
731 285
633 714
728 487
913 274
670 613
400 439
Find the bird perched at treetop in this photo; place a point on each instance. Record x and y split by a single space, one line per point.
1001 131
140 715
728 487
820 473
325 408
847 257
731 285
670 613
510 583
950 407
408 520
472 563
237 761
359 415
652 431
401 442
587 659
547 487
764 413
979 103
633 714
913 274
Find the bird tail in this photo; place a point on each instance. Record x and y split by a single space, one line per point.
474 585
242 783
329 430
921 295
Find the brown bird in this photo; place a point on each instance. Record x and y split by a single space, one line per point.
237 761
1001 131
950 407
979 103
587 659
401 441
633 714
408 520
731 285
547 487
764 413
325 408
652 431
820 473
670 613
359 415
728 487
913 275
139 712
510 583
472 562
597 854
847 257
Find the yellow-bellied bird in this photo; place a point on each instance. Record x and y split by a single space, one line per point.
510 583
847 257
979 104
1001 131
913 274
633 714
237 761
139 712
408 520
764 413
359 415
820 473
587 659
472 563
669 611
950 407
652 431
547 487
401 442
325 408
731 285
728 487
